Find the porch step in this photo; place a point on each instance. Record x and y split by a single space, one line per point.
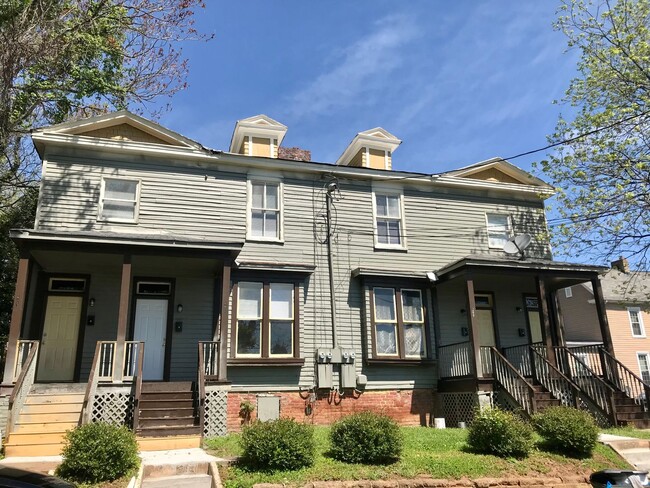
169 403
167 409
169 443
36 427
156 386
54 398
162 413
169 430
167 421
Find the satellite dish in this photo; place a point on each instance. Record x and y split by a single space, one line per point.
518 244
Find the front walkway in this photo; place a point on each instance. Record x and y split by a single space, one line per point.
634 450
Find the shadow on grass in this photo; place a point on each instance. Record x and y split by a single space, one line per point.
329 454
554 449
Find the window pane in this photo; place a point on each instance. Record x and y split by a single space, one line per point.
394 232
281 301
498 232
414 337
248 337
382 232
412 306
250 300
270 224
386 339
120 189
258 195
645 367
382 205
635 320
384 304
257 223
281 337
272 197
393 206
118 210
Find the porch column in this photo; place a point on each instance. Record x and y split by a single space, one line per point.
474 338
545 319
223 325
122 319
602 315
17 313
558 319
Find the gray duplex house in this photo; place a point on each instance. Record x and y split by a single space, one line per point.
166 285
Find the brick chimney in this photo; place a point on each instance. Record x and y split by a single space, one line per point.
621 264
294 154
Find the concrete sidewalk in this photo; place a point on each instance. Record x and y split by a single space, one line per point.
634 451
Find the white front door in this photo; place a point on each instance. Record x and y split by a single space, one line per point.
59 342
151 328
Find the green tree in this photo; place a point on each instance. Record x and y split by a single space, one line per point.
604 176
65 58
18 216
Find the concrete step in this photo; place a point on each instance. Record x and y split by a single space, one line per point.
186 481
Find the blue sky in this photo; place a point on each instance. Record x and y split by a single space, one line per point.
458 82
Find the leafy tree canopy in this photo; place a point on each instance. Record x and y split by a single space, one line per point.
65 58
604 177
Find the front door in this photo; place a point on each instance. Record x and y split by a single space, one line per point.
534 320
59 342
485 323
151 328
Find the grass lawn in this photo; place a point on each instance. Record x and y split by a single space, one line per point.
427 452
628 432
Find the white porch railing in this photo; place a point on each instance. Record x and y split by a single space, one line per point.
454 360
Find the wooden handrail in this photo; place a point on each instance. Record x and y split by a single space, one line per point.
507 375
138 386
641 386
201 386
22 386
91 387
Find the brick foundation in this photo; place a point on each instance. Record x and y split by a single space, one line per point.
407 407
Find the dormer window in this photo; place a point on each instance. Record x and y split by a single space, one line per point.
258 136
370 149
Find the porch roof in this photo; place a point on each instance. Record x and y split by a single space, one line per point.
118 241
560 273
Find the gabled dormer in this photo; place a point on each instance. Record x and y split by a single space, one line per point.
259 135
498 170
370 149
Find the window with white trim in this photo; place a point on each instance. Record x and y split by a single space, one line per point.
119 199
398 323
644 365
499 230
265 214
264 325
389 220
636 321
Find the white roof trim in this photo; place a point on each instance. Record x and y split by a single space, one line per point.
377 138
76 127
502 165
257 126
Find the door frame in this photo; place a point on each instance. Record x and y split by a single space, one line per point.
170 315
524 296
493 308
83 314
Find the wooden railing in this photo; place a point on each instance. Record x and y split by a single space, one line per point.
454 360
486 361
576 369
137 355
209 354
551 378
23 383
513 382
200 384
591 355
520 357
625 380
22 353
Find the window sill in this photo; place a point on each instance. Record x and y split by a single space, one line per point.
261 240
399 362
386 247
117 221
266 362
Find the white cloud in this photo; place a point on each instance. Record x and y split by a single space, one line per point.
362 68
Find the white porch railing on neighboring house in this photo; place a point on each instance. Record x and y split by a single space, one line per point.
454 360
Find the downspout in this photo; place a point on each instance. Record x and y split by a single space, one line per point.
331 187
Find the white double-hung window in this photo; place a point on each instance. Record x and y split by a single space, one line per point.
636 321
644 365
389 220
265 213
499 230
119 200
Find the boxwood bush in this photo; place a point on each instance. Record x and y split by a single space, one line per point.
282 444
567 430
98 452
366 437
501 433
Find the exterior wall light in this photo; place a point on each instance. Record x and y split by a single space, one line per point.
179 308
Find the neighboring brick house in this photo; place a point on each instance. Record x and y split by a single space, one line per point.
627 300
165 284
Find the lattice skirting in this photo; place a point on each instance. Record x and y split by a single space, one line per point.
113 406
458 407
216 405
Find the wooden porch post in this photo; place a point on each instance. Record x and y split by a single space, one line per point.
223 326
602 315
474 338
558 319
17 313
122 318
545 319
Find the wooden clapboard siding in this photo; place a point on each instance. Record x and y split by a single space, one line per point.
579 314
626 346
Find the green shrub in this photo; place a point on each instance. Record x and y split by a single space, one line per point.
98 452
567 430
282 444
494 431
366 437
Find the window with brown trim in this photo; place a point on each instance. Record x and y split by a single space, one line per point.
265 321
399 327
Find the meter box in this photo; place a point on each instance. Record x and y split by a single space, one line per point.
348 369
